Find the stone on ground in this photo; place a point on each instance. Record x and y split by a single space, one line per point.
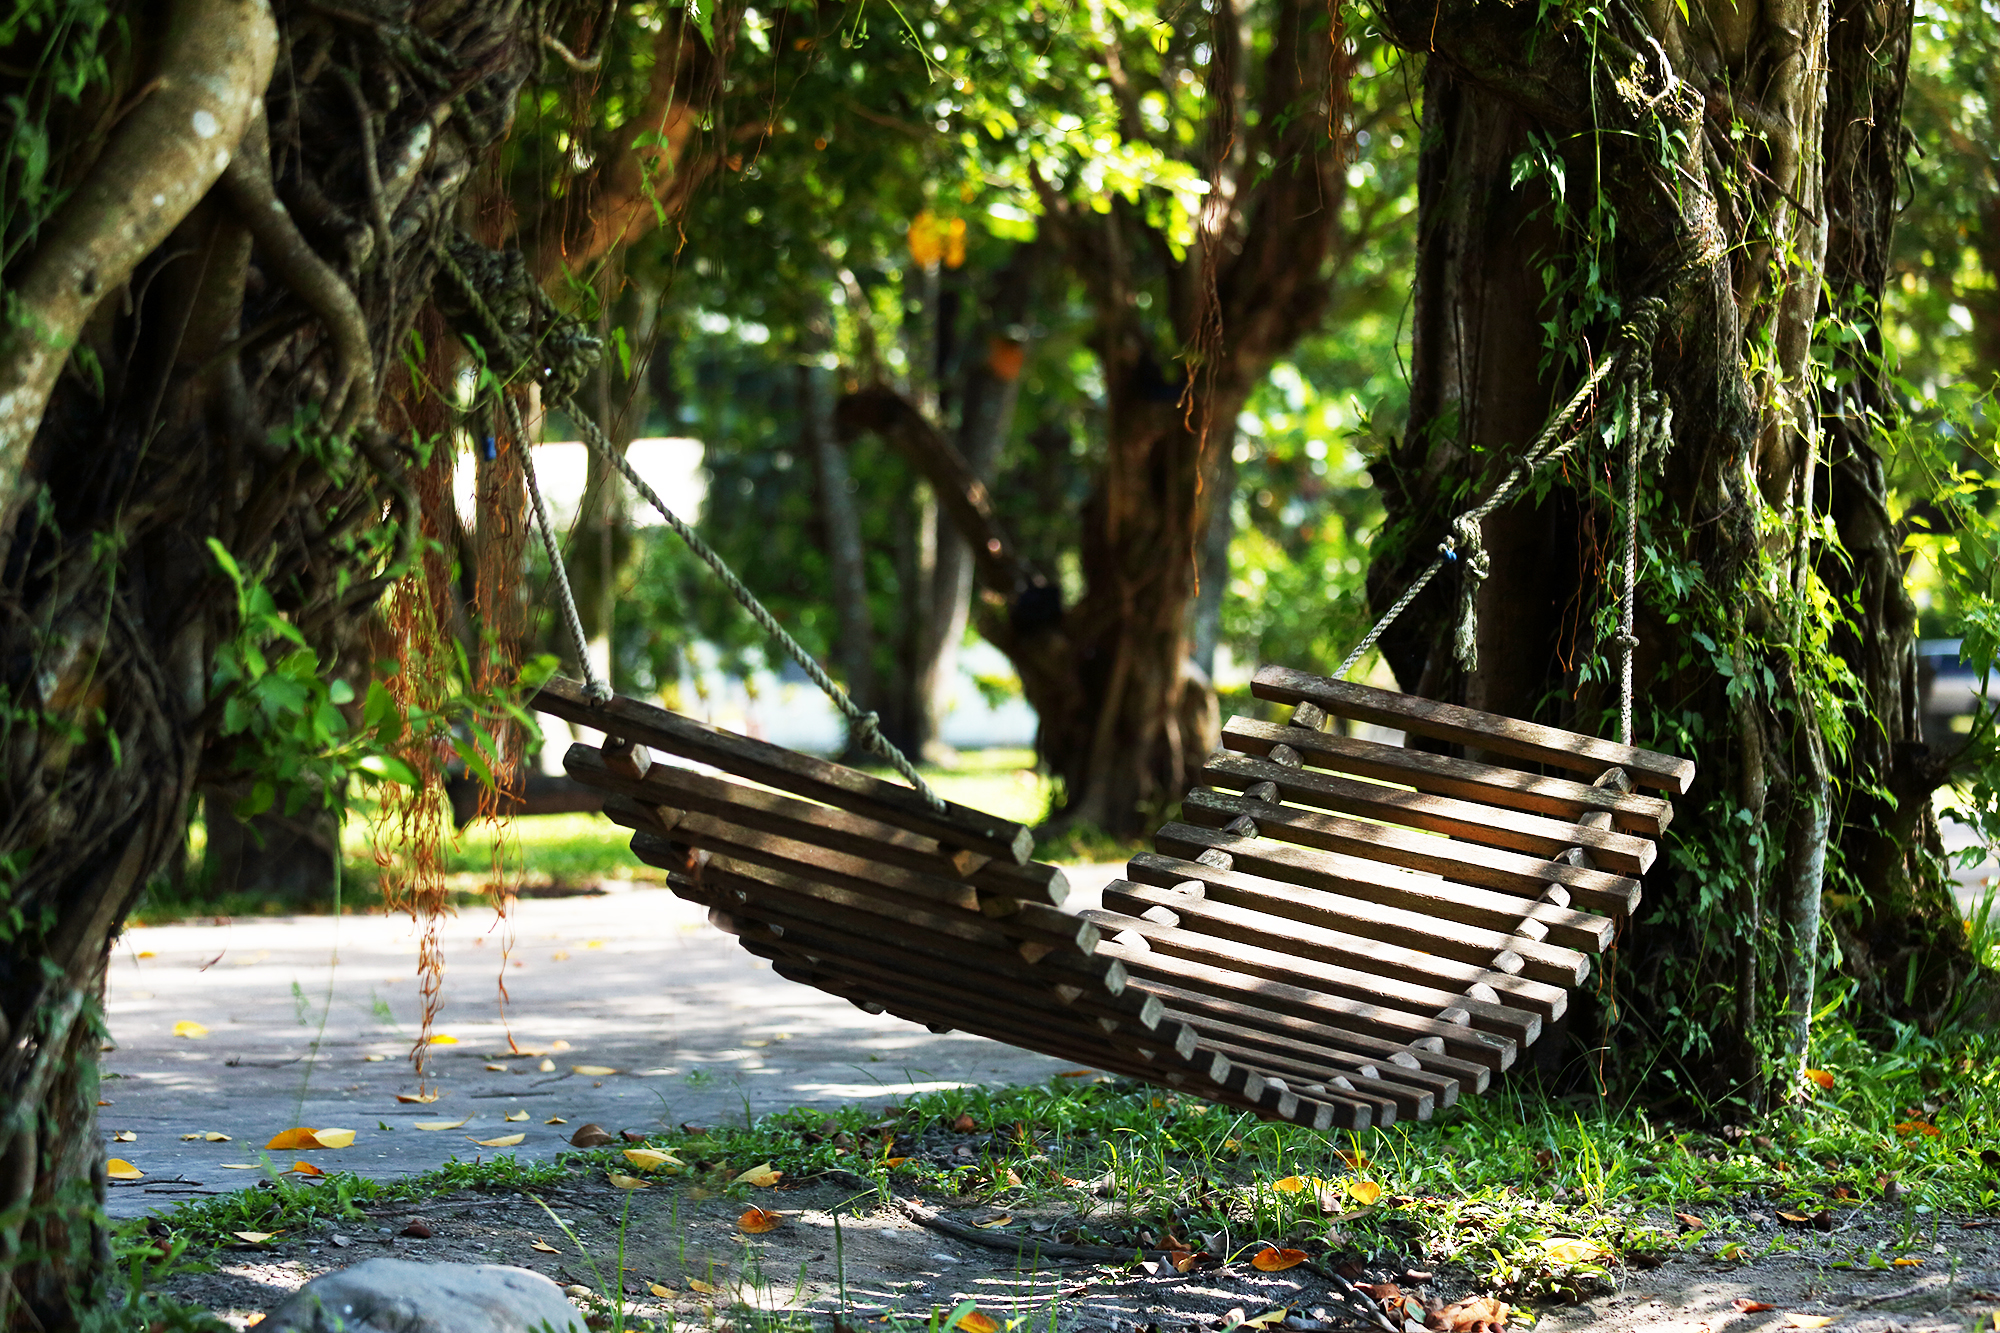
397 1296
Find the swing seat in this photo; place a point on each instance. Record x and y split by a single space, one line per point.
1336 932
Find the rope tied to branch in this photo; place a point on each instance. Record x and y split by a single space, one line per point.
865 726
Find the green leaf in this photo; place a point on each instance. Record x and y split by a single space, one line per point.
388 768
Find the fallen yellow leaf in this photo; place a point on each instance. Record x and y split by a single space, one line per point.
893 1162
291 1140
1924 1127
978 1321
187 1027
1289 1185
544 1247
435 1125
1570 1250
1268 1319
1365 1192
1821 1077
592 1071
497 1069
558 1045
124 1136
560 955
120 1169
659 1289
627 1182
517 1115
546 1066
254 1237
303 1169
650 1159
593 944
374 1059
254 1318
555 1120
1907 1261
334 1138
705 1288
210 1137
1808 1320
1275 1260
1355 1159
420 1098
992 1222
147 953
757 1221
760 1174
504 1141
443 1039
239 1166
1074 1073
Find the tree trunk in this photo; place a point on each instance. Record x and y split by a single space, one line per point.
1719 975
227 397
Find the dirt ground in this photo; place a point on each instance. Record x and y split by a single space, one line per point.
687 1256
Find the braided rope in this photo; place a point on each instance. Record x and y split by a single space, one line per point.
866 725
565 598
1628 595
1466 537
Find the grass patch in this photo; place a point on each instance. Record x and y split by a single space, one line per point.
1528 1196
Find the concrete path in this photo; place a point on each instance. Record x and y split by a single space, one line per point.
633 981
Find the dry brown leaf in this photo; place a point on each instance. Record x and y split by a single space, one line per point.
120 1169
1907 1128
760 1175
1744 1305
757 1221
1691 1222
591 1135
1821 1077
504 1141
1186 1261
1474 1314
433 1126
291 1140
543 1247
1274 1260
303 1169
1074 1073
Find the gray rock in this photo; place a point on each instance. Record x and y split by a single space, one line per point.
398 1296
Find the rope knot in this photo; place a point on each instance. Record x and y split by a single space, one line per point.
1467 537
1644 326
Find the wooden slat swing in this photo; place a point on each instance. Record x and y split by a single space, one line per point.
1309 941
1337 932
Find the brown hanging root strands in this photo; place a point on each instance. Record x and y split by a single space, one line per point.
418 611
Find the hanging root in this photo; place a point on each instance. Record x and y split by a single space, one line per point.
247 184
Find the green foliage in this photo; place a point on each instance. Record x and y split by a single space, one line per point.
57 60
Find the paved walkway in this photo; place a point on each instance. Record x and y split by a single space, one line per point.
634 981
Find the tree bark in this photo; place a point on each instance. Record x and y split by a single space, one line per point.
233 407
1727 960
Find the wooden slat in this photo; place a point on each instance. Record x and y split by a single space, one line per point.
1415 1093
1460 1040
1567 750
892 885
1308 1078
1415 930
1245 926
1493 826
1389 886
1208 1005
1484 867
1520 1025
822 825
787 770
1487 784
965 943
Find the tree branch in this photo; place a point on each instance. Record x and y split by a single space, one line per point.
963 496
161 161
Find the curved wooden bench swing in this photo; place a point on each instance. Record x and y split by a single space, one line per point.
1337 932
1307 942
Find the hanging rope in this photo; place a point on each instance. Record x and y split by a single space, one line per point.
866 726
1466 538
565 598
